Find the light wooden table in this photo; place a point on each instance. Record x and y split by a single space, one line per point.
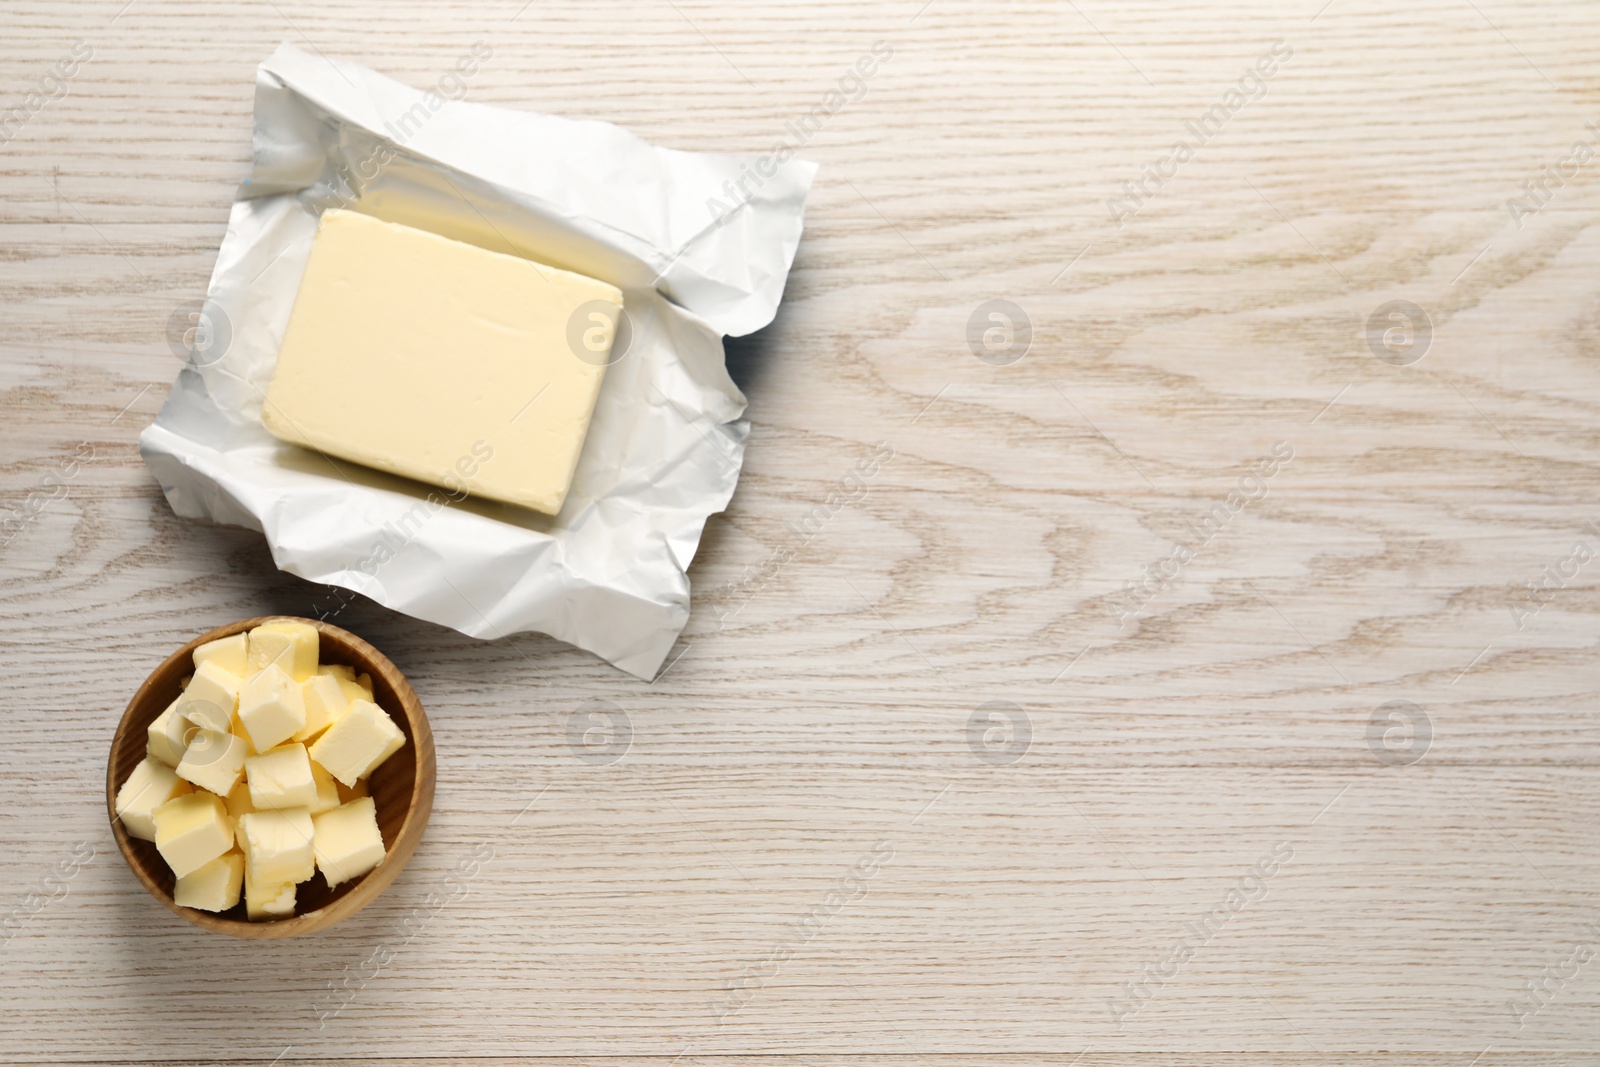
673 905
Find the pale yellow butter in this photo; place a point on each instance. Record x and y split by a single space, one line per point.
353 686
192 830
281 778
238 803
271 707
243 735
291 645
168 736
277 845
267 900
325 702
233 819
229 653
347 841
355 689
327 789
151 785
211 697
213 761
354 746
442 361
212 887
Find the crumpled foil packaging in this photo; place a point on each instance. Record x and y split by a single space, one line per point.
701 246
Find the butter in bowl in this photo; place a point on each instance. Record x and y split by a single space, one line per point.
271 777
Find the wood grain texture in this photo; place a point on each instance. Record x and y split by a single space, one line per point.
674 904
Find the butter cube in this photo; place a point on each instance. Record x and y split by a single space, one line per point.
211 697
327 789
354 687
494 347
355 745
281 778
243 735
213 886
238 802
229 653
359 688
213 761
151 785
325 703
274 900
277 845
169 736
271 708
292 646
347 840
192 830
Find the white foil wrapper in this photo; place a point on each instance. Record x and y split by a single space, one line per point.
666 441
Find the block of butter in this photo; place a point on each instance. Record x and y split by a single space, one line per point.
469 369
346 840
151 785
213 886
192 830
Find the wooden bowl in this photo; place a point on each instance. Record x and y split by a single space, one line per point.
401 788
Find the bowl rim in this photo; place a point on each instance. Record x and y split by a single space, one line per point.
367 888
